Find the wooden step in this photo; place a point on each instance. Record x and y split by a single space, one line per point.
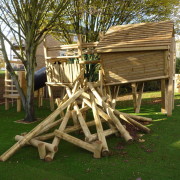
12 96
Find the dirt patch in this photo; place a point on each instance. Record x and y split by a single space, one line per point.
21 121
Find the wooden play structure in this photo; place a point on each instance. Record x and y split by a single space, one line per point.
11 92
137 53
129 54
62 70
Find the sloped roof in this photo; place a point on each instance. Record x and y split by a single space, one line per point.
132 36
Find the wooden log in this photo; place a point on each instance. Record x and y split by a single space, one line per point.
50 92
139 118
50 126
56 140
139 98
102 114
139 125
38 128
59 102
45 136
115 95
35 143
107 132
42 150
124 133
96 148
115 120
74 117
134 94
82 122
99 128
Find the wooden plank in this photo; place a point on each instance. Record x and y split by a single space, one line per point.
90 62
137 80
132 49
62 57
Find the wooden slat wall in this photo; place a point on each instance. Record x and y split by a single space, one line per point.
63 72
133 65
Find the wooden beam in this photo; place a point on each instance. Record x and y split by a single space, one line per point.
96 148
99 127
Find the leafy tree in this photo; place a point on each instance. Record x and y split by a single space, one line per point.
90 17
27 21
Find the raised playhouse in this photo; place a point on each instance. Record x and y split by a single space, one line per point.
138 53
128 54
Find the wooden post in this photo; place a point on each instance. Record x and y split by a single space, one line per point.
134 94
115 95
170 88
99 127
42 150
79 43
6 88
50 90
139 98
18 105
163 96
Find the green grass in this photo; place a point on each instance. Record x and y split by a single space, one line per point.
155 159
2 73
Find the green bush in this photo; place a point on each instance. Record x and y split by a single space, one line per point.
178 65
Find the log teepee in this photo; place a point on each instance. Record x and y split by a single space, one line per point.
79 98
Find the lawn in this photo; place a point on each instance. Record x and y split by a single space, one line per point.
2 72
155 159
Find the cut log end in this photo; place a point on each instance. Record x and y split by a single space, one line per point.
48 159
1 160
105 153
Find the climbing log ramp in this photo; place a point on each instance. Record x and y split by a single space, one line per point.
80 98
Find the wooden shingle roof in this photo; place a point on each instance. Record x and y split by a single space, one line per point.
134 37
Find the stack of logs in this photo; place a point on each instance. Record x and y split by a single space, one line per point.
91 96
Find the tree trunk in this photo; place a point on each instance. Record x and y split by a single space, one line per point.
29 107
